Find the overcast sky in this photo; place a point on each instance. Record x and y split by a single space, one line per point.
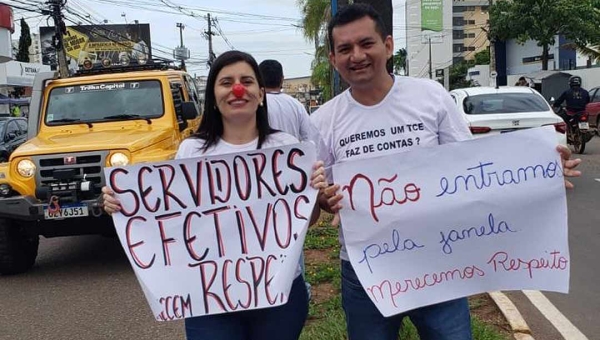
265 28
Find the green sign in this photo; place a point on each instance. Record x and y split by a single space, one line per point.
432 15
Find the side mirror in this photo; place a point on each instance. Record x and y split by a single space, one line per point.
188 110
552 100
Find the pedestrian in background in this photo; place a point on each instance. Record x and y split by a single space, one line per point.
522 82
286 114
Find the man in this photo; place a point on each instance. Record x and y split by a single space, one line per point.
522 82
16 111
576 99
375 102
286 113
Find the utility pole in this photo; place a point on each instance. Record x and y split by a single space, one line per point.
209 34
430 63
181 27
336 76
60 29
492 39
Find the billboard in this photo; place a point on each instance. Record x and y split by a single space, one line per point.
432 20
97 43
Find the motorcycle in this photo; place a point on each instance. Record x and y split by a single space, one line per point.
578 128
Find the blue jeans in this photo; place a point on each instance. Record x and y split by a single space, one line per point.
283 322
444 321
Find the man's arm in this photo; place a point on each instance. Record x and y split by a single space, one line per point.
560 99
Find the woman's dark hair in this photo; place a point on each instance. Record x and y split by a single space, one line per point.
211 125
352 13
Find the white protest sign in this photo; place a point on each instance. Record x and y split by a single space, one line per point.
457 219
216 234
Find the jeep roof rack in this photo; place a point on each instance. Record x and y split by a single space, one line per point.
152 64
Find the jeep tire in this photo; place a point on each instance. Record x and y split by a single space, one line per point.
18 250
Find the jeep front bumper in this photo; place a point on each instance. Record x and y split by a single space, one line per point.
29 208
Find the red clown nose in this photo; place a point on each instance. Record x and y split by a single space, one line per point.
239 90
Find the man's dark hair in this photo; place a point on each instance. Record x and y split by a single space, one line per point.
352 13
272 73
522 78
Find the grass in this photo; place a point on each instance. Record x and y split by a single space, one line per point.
326 317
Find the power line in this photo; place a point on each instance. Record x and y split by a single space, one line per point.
218 27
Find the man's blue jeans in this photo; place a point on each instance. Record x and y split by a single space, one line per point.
278 323
444 321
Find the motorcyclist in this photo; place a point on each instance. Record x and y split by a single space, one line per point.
576 99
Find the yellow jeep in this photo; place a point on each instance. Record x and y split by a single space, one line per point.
77 126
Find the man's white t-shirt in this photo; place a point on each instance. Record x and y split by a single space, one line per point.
194 147
416 112
287 114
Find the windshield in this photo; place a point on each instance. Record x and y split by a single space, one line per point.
100 102
495 103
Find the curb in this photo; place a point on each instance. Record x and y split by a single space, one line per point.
519 327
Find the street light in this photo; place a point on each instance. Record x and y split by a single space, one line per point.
124 15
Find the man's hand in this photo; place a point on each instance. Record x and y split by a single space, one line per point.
329 200
568 165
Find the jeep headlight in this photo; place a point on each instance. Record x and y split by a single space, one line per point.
26 168
119 159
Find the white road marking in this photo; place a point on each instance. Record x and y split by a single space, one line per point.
558 320
597 179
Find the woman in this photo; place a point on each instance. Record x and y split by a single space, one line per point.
235 120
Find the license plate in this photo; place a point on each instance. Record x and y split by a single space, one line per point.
584 126
66 211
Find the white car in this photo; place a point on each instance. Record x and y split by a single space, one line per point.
491 111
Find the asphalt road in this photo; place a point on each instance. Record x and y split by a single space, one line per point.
80 288
582 305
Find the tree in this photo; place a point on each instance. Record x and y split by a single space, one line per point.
400 61
24 42
315 15
22 53
458 76
321 73
483 57
592 50
542 20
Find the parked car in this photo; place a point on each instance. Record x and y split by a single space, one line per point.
491 111
13 132
593 108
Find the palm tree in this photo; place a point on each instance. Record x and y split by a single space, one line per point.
315 15
400 61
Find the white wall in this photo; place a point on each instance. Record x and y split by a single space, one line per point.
590 77
481 79
515 53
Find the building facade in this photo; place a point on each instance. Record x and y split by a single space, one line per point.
300 88
470 21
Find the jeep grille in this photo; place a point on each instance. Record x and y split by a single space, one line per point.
85 163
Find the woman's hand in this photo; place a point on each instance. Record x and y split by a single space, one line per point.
318 179
111 204
568 165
